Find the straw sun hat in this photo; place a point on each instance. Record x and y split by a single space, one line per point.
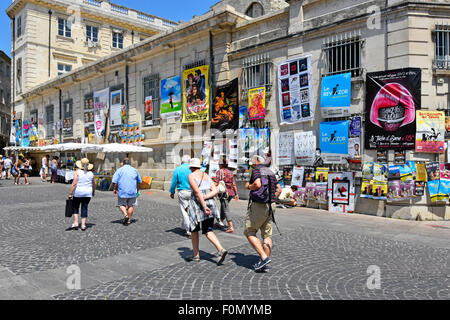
195 163
81 164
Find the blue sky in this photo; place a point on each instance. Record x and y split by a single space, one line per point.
174 10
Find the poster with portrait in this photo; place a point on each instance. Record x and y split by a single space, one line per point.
225 109
305 148
244 121
89 123
354 148
196 94
430 136
285 148
447 128
321 193
247 141
257 103
298 174
116 110
101 108
68 118
334 141
148 111
171 97
399 156
262 141
295 90
341 192
392 99
335 97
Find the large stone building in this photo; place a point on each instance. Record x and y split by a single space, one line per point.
5 99
247 40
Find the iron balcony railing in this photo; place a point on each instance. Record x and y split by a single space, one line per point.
442 59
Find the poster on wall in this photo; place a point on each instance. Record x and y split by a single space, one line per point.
101 106
196 94
334 141
444 183
335 97
430 137
68 118
355 127
89 123
298 174
148 111
354 148
296 92
262 141
116 110
233 153
244 121
171 97
447 128
341 192
257 103
305 148
392 99
285 148
225 109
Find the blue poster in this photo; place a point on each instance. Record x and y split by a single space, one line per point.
355 127
335 97
334 141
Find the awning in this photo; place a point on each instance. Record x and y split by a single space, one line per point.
63 147
25 149
115 148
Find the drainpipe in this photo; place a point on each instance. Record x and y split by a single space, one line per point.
211 67
60 117
127 71
49 39
13 73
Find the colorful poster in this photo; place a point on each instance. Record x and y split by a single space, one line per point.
341 192
247 145
322 175
320 193
392 99
225 110
285 148
382 156
433 189
447 128
394 172
430 137
355 127
89 123
433 171
101 108
148 111
244 121
257 103
367 170
116 110
300 196
171 97
366 188
444 183
305 148
399 156
296 92
310 191
334 141
335 97
287 174
262 141
196 94
354 148
421 172
298 174
310 175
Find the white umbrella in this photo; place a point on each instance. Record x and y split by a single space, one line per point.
119 148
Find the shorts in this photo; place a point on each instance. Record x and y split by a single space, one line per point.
45 171
258 218
206 225
127 202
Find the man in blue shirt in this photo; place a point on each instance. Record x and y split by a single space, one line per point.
126 182
180 181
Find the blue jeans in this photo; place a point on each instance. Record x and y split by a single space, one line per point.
84 206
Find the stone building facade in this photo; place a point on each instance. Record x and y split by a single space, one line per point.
385 34
5 99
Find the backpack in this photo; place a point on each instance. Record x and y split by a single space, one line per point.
263 194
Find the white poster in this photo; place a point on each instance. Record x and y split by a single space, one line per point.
305 148
297 176
101 106
286 148
341 192
296 92
233 154
354 148
213 168
116 109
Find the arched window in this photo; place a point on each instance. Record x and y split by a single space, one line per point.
255 10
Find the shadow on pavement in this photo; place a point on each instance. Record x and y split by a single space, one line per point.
186 253
178 231
242 260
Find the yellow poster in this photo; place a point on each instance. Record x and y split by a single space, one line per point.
196 94
257 103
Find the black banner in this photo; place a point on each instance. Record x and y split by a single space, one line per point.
225 108
392 98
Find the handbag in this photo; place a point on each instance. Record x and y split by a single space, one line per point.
222 188
69 208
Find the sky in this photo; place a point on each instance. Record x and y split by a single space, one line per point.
173 10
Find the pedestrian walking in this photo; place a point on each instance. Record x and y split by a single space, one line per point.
44 168
180 182
7 165
264 191
226 183
126 183
82 191
26 170
202 210
54 169
15 170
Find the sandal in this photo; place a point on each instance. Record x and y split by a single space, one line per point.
222 254
125 220
229 231
195 259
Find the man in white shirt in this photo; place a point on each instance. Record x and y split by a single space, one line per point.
287 196
45 168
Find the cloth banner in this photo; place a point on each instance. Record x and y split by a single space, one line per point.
335 97
257 103
196 94
101 106
225 110
334 141
171 97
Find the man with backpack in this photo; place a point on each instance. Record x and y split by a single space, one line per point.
264 191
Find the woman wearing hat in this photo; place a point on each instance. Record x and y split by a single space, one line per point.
202 210
82 190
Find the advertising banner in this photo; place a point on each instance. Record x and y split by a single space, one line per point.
171 97
101 106
225 110
285 148
335 97
430 137
392 99
305 148
148 111
334 141
244 120
354 148
257 103
196 94
116 110
341 192
298 174
296 92
355 127
262 141
68 118
247 141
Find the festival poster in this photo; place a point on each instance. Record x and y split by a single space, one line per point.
322 175
309 175
116 110
447 128
285 148
433 171
295 90
300 196
399 156
101 108
421 172
287 175
367 170
148 111
321 192
26 132
262 141
335 97
233 153
381 171
382 155
89 123
68 118
248 140
394 172
379 190
171 97
341 192
355 127
298 174
207 153
394 191
310 189
412 165
354 149
433 189
225 110
420 188
257 103
196 94
430 137
392 99
244 121
334 141
366 188
305 148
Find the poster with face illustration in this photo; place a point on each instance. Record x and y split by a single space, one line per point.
392 99
430 136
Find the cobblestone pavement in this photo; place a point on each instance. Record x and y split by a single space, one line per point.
318 255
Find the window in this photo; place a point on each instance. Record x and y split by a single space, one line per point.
256 73
255 10
343 54
64 28
49 122
151 89
117 41
64 68
91 34
442 47
19 75
19 27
